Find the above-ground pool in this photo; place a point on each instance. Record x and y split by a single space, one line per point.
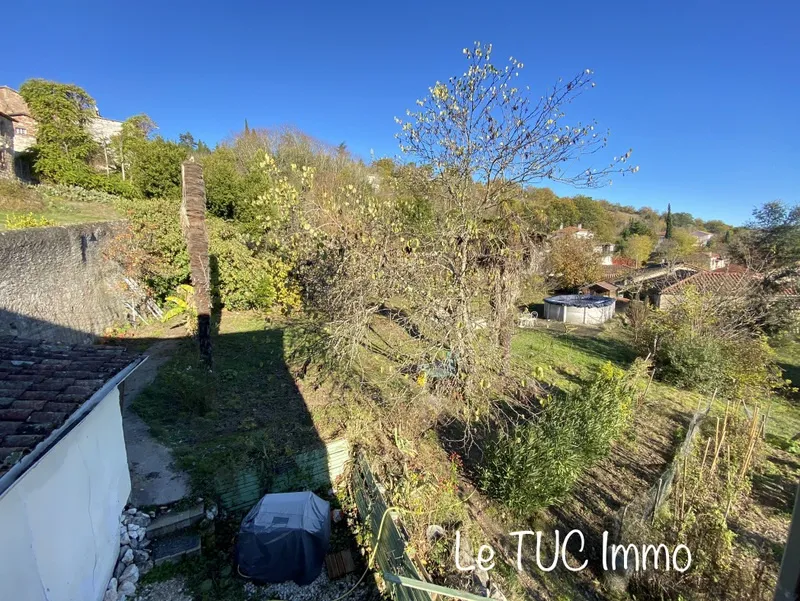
579 308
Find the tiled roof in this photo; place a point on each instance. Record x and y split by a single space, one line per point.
616 272
42 384
604 285
712 282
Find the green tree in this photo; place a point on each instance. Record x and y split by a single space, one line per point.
156 168
593 216
668 230
225 185
63 144
638 247
636 227
130 141
681 245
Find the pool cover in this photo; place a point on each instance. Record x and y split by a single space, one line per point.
580 300
285 537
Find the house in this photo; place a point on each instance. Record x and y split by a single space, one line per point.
64 477
706 260
703 238
6 146
601 289
705 282
575 232
606 252
604 249
26 127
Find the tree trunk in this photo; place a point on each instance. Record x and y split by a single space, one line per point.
193 222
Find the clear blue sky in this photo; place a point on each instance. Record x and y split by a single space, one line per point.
706 93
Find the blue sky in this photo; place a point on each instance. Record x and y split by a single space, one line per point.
706 93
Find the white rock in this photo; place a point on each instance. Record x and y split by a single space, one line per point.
111 595
120 567
209 516
127 588
132 511
124 539
127 557
112 584
131 574
140 556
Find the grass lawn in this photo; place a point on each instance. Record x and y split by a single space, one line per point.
17 200
247 413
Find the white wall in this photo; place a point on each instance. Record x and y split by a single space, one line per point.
59 523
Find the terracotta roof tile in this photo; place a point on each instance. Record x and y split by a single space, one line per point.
42 384
713 282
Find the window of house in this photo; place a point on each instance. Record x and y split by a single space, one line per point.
21 131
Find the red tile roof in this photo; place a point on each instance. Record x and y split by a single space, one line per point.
42 384
713 282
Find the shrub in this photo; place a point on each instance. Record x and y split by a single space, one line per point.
537 463
21 222
247 280
700 345
155 252
78 193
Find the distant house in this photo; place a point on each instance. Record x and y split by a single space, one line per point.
26 128
703 238
64 477
601 289
575 232
605 250
706 260
6 146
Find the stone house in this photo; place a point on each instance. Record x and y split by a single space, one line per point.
64 477
6 146
26 128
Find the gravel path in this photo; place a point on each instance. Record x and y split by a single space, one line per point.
321 589
168 590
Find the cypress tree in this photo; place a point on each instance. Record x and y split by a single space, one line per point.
668 232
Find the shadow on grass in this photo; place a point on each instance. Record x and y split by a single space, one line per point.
245 414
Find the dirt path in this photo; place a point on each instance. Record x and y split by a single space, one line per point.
154 478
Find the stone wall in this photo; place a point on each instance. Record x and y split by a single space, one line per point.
102 129
57 284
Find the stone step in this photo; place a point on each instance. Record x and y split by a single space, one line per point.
170 549
167 523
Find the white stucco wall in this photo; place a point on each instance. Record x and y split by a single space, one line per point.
59 523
